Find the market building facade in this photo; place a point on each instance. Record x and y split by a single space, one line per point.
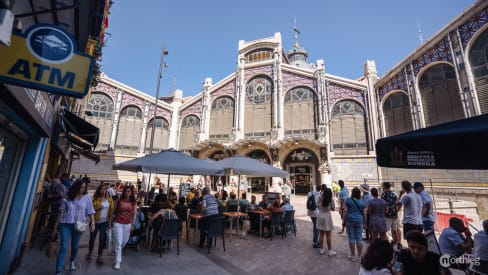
279 108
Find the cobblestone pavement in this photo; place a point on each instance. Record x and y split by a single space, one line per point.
252 255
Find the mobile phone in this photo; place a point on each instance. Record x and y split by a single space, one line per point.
398 266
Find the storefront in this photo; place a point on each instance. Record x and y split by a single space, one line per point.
26 122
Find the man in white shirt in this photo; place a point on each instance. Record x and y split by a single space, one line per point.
412 209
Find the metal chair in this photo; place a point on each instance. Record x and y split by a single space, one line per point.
215 229
275 223
169 231
289 224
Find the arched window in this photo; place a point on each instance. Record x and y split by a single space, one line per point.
258 111
190 126
259 55
397 115
348 129
478 58
440 95
300 112
161 135
130 131
101 109
221 119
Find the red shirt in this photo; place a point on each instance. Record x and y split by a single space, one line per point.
125 212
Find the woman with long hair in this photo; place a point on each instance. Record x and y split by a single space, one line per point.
355 220
73 210
324 219
125 217
378 258
104 206
377 220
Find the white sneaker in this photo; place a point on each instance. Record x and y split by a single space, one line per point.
72 265
117 266
322 251
332 253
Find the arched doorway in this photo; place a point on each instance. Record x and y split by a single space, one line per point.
258 184
302 165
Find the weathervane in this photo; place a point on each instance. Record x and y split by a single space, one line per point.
297 33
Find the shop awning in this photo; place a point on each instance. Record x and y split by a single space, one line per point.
79 131
92 156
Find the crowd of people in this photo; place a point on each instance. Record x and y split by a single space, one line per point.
367 214
370 215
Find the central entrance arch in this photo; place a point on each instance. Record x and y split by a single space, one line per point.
302 165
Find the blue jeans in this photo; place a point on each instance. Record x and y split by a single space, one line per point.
315 230
67 232
354 232
102 227
428 225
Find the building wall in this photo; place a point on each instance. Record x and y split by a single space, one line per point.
451 47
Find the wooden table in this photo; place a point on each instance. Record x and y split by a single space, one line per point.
232 216
197 217
261 212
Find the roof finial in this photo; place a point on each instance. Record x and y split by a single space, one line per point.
297 33
421 38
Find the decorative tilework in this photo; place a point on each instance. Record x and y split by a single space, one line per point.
267 70
470 27
338 92
227 89
439 52
291 80
395 83
107 89
161 112
196 109
129 99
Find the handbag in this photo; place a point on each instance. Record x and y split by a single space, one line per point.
80 226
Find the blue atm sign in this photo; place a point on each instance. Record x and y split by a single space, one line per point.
44 58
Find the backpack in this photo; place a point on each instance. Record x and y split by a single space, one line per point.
311 204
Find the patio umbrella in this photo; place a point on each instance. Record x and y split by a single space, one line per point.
169 162
247 166
459 144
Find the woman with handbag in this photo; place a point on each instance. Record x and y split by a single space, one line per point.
73 222
125 218
355 221
104 206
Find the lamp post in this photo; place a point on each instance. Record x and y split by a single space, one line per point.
160 74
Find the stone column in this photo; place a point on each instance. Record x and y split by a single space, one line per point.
325 176
175 117
115 123
144 128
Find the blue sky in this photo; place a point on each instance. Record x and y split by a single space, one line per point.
202 36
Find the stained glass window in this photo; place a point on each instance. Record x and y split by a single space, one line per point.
100 105
259 90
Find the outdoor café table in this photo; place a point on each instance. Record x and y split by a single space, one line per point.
197 217
232 216
261 213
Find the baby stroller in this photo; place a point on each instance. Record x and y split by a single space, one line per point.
139 232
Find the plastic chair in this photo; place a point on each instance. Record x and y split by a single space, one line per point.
289 223
215 229
169 231
275 223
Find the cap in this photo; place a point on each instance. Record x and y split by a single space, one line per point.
364 187
417 185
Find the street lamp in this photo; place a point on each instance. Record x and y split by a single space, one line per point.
160 74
